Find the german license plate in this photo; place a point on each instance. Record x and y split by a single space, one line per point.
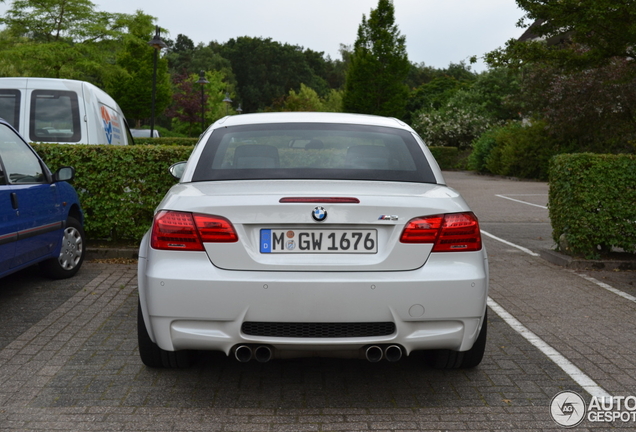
319 241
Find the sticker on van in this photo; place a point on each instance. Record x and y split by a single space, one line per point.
112 125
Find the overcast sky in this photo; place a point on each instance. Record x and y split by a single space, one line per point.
437 31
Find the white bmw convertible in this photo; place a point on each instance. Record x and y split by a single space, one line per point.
312 234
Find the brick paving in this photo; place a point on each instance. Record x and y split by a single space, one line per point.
78 369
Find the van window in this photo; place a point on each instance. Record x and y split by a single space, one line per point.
10 106
54 116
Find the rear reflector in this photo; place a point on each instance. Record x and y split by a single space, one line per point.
320 200
173 230
453 232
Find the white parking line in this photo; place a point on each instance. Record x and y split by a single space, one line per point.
607 287
588 384
521 248
519 201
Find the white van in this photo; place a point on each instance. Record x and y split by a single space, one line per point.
62 111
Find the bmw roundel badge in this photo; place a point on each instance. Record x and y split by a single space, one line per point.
319 214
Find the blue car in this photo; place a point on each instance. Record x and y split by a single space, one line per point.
41 221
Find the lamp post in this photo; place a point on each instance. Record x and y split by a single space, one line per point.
239 109
157 44
228 102
203 82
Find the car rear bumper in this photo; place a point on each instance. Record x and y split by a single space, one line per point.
191 304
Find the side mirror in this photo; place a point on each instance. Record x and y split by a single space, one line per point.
64 174
177 169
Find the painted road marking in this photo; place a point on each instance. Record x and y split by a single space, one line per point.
586 277
588 384
523 202
607 287
526 250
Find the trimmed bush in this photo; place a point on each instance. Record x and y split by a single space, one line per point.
593 203
516 150
168 141
119 186
482 147
446 157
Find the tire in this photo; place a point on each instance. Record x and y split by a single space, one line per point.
72 252
153 356
449 359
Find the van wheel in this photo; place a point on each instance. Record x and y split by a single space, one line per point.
153 356
449 359
71 253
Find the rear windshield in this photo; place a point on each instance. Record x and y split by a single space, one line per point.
312 151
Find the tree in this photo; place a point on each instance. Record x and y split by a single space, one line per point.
596 108
133 87
61 39
183 55
579 72
375 82
495 90
601 29
265 70
185 110
432 95
307 99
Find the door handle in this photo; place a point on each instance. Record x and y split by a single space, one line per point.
14 200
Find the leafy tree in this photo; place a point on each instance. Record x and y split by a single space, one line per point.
595 108
375 81
460 71
420 74
495 90
183 55
265 70
433 95
133 87
605 28
61 39
180 53
185 110
307 99
579 74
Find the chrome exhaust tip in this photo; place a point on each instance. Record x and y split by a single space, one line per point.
393 353
374 354
243 353
263 354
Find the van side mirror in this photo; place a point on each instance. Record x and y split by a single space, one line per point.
64 174
177 169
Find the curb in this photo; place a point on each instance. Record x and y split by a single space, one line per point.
109 253
581 264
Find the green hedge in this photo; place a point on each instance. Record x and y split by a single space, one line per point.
169 141
118 186
593 203
516 150
446 157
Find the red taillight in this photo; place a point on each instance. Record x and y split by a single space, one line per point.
173 230
453 232
422 230
215 229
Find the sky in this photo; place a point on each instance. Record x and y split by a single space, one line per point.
437 32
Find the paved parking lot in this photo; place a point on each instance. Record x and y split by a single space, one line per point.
69 360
